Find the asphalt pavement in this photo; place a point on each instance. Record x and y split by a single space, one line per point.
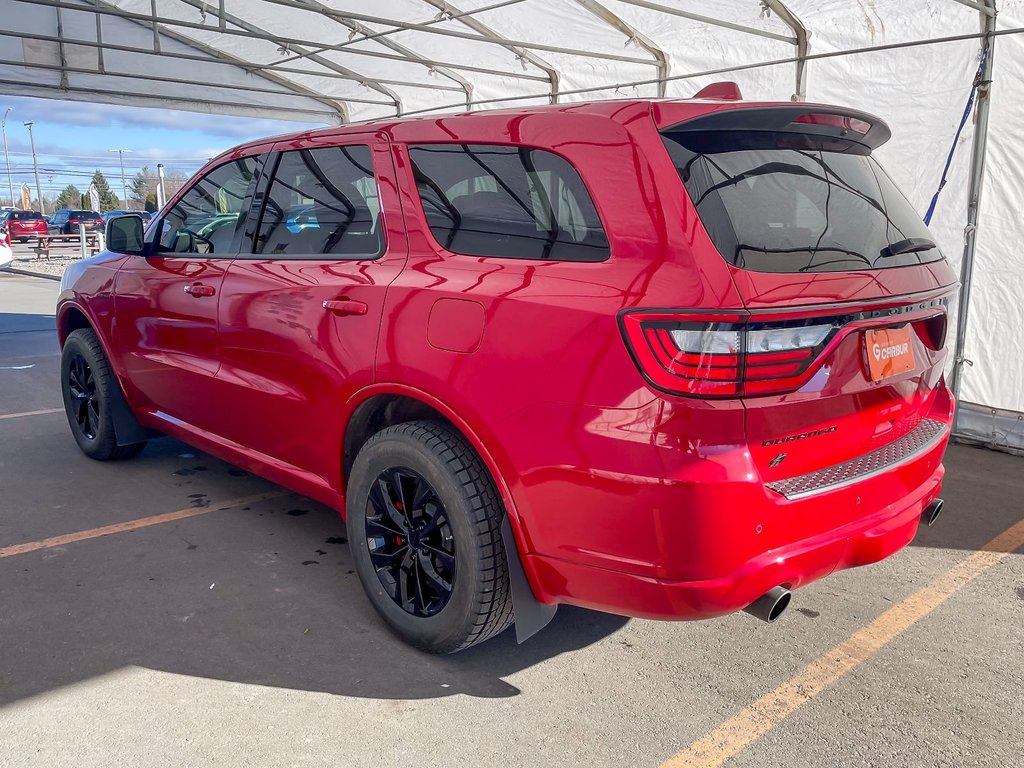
234 632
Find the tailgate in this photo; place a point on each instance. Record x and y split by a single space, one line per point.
843 345
877 380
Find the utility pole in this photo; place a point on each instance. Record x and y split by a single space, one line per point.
160 199
7 157
35 167
124 185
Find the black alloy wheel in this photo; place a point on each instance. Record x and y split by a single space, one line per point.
90 392
424 524
81 392
410 542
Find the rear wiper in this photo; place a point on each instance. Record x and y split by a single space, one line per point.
910 245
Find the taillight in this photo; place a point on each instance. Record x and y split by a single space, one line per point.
846 122
932 331
723 355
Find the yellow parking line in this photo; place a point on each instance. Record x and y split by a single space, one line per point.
752 723
30 413
131 525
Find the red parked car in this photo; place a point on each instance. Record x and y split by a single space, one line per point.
668 359
23 225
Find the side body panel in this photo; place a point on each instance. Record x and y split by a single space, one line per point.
167 338
288 363
165 330
550 387
88 288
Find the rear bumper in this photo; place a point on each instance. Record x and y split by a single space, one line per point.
633 515
864 541
25 232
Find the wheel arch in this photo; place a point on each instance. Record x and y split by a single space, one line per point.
369 410
71 317
380 405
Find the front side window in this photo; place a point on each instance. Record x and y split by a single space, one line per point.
322 201
205 219
513 202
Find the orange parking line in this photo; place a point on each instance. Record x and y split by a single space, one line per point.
131 525
752 723
30 413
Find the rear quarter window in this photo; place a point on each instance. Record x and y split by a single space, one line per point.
509 202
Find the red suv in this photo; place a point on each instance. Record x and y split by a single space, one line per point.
667 359
22 225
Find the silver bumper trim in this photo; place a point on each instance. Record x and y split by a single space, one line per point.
915 443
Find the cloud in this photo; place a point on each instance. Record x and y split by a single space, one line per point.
80 114
64 155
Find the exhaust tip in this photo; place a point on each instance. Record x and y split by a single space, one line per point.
932 511
771 605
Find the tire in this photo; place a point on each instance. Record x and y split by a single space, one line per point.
22 239
88 387
479 603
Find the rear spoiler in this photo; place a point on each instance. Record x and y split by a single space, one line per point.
808 120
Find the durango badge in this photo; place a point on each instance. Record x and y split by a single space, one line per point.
801 436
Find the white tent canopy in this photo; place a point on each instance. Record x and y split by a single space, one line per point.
913 62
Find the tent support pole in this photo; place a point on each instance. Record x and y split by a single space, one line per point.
977 179
802 40
524 55
632 35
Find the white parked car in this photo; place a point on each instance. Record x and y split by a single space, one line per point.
6 254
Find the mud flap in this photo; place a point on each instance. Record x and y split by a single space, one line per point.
126 429
531 616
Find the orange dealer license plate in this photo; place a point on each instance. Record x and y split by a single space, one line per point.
890 352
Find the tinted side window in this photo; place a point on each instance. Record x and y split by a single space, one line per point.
322 201
204 220
515 202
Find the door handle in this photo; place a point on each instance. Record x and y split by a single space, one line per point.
345 307
198 289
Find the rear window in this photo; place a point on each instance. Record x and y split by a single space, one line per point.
511 202
784 202
83 215
24 215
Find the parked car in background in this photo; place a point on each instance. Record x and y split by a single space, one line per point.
144 215
23 225
668 359
6 254
66 220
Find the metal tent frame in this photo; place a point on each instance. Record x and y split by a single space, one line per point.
249 68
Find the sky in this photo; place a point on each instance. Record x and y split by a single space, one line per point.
73 139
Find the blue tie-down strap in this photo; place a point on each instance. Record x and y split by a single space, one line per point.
960 129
